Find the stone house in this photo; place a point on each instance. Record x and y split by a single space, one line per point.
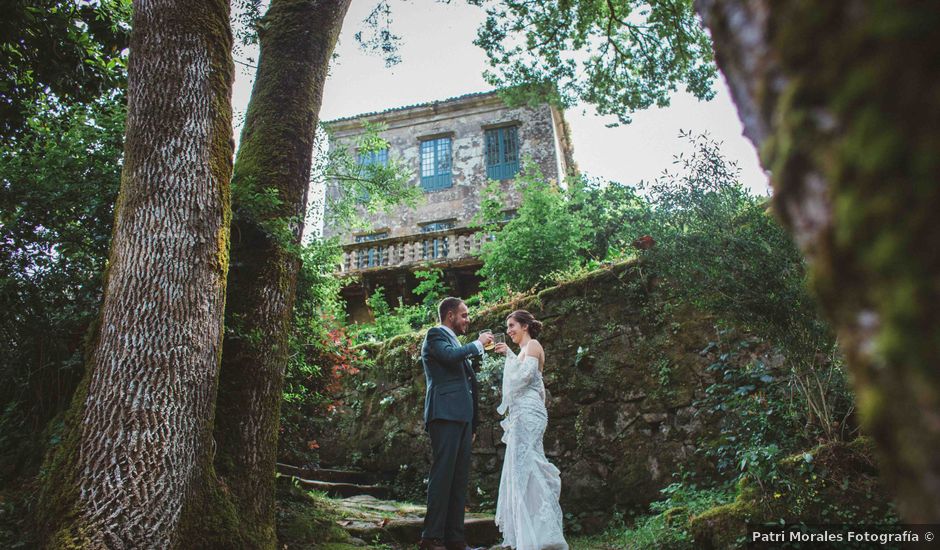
454 147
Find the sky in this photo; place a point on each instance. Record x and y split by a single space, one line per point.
440 61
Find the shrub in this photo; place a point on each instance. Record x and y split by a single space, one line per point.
718 249
545 237
390 322
321 354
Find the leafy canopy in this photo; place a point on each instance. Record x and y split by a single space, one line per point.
66 49
619 55
58 184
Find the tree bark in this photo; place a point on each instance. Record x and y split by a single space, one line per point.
139 431
843 101
297 38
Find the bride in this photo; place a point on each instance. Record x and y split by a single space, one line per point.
527 509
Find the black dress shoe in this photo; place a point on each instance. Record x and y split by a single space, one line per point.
432 544
460 545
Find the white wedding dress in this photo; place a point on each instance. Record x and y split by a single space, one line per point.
527 510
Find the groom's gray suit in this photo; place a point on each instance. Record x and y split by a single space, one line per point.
450 417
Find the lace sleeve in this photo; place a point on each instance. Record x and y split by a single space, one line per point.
516 375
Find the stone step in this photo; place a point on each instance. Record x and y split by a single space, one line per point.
330 475
397 523
343 490
479 531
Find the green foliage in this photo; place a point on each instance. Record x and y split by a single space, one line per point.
619 55
377 36
757 419
431 288
667 526
320 354
68 50
589 224
58 183
833 483
384 187
615 215
721 251
403 318
718 249
544 238
388 322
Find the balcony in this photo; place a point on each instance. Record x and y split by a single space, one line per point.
450 247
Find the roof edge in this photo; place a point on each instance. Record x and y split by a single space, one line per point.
351 120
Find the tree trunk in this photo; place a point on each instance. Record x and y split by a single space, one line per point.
297 38
138 435
843 101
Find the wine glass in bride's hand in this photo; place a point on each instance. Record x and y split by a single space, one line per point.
499 343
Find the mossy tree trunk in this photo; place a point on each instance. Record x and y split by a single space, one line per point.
843 101
297 38
139 431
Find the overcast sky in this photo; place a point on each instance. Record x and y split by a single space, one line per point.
440 61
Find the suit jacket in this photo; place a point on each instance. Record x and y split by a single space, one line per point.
451 382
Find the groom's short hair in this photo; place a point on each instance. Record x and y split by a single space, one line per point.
447 305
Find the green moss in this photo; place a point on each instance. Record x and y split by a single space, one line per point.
832 483
58 508
210 519
721 527
673 516
306 521
870 404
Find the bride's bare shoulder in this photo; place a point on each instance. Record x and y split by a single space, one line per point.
534 348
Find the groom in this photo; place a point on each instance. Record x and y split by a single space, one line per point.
450 417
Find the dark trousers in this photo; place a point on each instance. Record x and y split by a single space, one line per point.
447 484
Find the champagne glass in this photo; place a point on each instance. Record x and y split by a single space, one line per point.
491 345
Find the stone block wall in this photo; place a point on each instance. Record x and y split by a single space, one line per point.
623 373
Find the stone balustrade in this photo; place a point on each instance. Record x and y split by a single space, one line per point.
450 246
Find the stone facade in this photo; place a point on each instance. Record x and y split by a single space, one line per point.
392 246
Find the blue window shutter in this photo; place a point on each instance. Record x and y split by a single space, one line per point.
502 153
370 158
436 164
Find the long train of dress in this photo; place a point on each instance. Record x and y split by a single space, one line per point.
527 510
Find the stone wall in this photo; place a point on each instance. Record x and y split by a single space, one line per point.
623 371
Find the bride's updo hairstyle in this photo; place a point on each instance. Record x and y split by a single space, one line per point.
526 319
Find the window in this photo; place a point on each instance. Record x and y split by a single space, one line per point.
502 153
435 164
437 226
370 158
371 237
373 256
